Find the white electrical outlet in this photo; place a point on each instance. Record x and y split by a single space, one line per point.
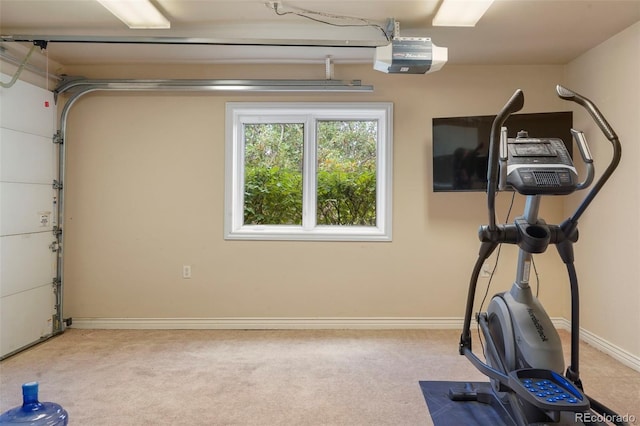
186 271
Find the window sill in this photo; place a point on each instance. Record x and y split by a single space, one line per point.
297 233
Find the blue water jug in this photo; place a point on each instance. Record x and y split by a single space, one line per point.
33 412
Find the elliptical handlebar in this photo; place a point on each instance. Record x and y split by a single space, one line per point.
585 153
571 223
570 95
513 105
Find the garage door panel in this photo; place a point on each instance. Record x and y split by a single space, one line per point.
28 213
27 262
24 320
27 108
26 208
25 157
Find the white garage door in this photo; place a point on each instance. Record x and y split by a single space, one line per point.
28 167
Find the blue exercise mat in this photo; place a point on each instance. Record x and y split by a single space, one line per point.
445 412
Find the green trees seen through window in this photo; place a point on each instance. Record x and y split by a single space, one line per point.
346 173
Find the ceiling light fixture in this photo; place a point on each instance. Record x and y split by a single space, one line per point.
460 13
137 14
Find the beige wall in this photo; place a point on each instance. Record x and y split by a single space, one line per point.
144 188
608 253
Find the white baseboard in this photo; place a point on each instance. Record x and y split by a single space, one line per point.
328 323
561 323
616 352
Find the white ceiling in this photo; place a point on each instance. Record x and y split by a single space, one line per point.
511 32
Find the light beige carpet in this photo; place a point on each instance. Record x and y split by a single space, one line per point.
209 377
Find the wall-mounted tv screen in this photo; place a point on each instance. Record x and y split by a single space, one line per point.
461 145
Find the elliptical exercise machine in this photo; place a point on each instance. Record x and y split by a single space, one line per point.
524 359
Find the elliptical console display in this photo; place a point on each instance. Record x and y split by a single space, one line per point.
540 166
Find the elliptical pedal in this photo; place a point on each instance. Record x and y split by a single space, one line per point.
547 390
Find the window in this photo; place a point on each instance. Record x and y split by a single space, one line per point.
308 171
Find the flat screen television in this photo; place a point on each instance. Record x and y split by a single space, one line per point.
461 145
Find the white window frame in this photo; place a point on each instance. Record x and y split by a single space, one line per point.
240 113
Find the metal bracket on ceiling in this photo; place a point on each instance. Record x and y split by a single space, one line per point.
392 28
328 68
